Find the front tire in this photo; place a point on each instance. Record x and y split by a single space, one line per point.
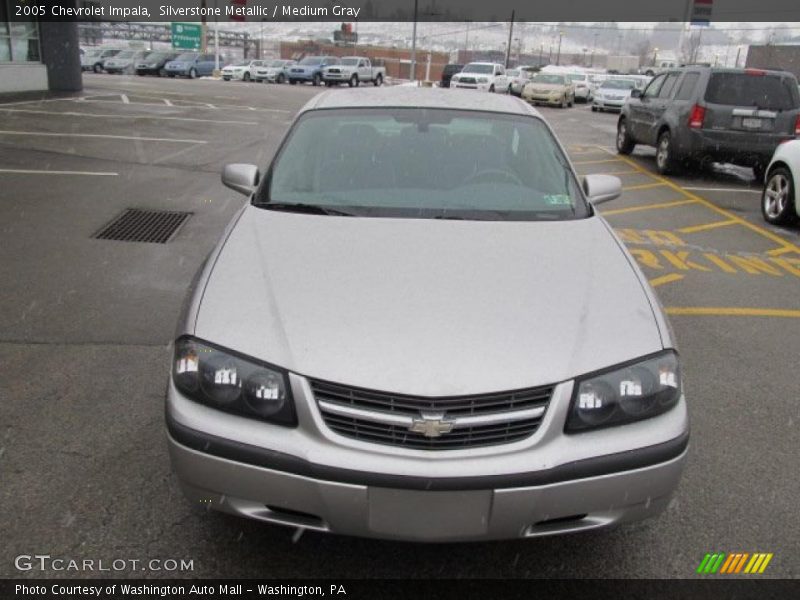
491 88
666 161
246 77
777 199
378 81
317 80
192 73
625 144
759 170
97 69
594 108
280 78
293 82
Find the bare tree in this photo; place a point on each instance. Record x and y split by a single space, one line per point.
691 44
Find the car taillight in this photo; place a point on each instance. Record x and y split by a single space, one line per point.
755 72
697 116
797 125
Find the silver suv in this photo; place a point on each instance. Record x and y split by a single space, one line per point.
700 114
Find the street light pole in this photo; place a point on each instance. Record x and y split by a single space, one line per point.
510 33
558 57
414 45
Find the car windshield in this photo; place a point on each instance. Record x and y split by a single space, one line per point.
549 78
512 72
92 53
350 61
422 163
475 68
125 54
755 88
277 63
187 56
619 84
311 60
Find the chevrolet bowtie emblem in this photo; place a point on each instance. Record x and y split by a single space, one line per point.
432 425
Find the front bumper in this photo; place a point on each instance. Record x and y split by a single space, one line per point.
739 147
309 477
608 104
543 98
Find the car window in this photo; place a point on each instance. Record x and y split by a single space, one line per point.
424 163
756 88
669 84
687 86
651 91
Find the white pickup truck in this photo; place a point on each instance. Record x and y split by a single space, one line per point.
353 70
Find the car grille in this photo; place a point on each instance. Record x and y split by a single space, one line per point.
334 70
479 420
470 80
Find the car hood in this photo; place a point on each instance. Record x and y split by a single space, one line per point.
550 87
427 307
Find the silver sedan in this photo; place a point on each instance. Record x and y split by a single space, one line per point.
419 328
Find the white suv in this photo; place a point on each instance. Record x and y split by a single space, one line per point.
483 76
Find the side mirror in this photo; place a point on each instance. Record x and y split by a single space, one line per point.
601 188
636 93
241 177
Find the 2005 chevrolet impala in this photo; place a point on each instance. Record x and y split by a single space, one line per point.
419 328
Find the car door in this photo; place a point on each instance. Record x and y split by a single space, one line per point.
364 72
640 107
500 79
206 64
657 106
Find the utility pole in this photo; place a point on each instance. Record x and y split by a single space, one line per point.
558 57
414 45
510 33
738 52
466 45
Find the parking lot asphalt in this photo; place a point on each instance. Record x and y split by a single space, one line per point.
85 326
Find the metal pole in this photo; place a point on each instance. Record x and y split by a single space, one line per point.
558 57
466 45
216 40
510 33
414 45
738 52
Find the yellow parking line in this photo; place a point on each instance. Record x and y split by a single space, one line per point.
646 207
695 228
665 279
644 186
779 251
731 311
596 162
628 172
710 205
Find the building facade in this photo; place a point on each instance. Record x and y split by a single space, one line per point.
37 55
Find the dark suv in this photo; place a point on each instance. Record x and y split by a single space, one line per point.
700 114
447 74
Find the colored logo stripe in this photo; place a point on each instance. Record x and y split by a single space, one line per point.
722 563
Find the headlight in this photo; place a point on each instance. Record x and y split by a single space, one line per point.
227 381
627 393
483 80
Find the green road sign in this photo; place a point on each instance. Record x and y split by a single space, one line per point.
186 36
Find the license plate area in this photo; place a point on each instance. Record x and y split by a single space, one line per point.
751 123
424 515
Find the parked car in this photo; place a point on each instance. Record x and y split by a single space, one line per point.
123 62
780 202
154 63
310 69
612 94
191 65
92 60
448 72
549 88
517 79
412 226
274 71
702 114
583 90
244 70
353 70
482 76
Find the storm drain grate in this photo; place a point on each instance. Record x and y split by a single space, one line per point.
150 226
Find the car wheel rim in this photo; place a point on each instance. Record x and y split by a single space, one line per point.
663 152
776 196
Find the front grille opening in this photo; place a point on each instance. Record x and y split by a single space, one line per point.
295 517
362 428
148 226
560 521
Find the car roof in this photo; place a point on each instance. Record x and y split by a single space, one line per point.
414 97
482 62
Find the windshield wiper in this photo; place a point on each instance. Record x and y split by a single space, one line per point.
299 207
